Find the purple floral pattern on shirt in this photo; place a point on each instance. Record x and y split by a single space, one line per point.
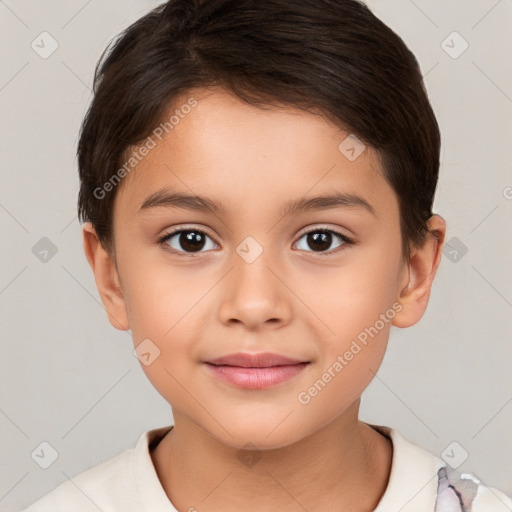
454 493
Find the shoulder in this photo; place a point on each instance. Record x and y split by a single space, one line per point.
463 492
422 481
93 489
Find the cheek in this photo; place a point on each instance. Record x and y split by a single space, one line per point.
158 298
341 382
352 297
348 363
160 324
355 304
161 306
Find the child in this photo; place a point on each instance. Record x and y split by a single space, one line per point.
258 131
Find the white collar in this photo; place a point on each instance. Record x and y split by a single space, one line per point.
413 479
412 484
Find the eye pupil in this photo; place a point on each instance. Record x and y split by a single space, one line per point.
191 240
319 240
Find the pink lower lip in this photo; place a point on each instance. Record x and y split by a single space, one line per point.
256 378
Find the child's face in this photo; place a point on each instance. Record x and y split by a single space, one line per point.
303 298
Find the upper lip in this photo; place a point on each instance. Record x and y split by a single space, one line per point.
261 360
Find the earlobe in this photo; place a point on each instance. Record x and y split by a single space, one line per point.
106 277
417 281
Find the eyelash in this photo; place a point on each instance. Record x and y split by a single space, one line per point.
162 241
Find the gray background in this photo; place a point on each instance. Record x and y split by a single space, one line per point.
68 378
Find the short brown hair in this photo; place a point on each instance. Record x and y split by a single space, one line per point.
334 56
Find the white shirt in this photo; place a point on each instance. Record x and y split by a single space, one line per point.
129 483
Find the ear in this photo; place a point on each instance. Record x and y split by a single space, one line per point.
418 275
107 278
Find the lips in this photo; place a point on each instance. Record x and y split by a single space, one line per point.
255 371
261 360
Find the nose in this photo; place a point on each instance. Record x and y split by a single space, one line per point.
255 293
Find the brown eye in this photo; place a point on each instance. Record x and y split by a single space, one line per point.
187 240
320 240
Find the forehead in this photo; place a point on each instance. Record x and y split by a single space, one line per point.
245 155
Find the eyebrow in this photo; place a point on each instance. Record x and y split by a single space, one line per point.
166 198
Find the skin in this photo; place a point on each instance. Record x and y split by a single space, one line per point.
293 300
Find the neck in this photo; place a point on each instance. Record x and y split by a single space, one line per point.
334 465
